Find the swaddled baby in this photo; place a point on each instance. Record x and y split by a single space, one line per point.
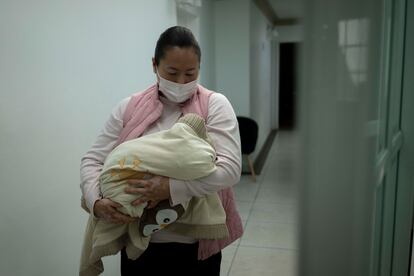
183 152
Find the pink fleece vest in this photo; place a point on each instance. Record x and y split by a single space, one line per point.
143 109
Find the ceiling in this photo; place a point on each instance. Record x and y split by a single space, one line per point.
292 9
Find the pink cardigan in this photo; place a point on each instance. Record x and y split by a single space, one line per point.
143 109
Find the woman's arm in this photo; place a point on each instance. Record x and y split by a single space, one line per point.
223 128
92 161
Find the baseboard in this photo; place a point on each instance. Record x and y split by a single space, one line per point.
263 153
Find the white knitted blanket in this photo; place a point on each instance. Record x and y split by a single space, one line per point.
177 153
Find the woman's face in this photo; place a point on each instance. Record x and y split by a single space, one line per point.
179 65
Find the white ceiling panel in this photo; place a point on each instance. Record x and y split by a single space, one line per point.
288 8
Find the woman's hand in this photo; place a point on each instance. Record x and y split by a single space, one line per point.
152 190
106 209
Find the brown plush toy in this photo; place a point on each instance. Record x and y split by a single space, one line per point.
159 217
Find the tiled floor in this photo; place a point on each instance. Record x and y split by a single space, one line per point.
268 208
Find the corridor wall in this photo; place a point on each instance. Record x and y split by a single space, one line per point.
64 65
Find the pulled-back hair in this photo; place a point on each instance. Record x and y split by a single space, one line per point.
176 36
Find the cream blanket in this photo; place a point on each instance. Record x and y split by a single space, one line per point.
182 152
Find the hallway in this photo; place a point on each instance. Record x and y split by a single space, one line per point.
269 211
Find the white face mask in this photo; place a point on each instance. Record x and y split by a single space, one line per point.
177 92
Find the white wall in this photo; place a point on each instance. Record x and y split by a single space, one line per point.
64 64
207 42
198 17
243 62
232 44
292 33
260 75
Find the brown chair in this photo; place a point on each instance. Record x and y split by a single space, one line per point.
248 137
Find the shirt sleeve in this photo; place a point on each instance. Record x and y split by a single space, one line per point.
223 129
93 160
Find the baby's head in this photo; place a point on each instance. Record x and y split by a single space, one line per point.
197 124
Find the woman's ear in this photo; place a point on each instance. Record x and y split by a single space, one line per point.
154 66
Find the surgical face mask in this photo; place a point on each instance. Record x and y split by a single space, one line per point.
177 92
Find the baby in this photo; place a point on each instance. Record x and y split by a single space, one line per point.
183 152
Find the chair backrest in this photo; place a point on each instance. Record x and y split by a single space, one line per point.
248 134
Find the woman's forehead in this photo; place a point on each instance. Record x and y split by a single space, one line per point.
180 57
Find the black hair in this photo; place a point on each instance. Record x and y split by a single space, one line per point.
175 36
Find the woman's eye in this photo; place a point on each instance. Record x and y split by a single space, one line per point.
189 75
172 74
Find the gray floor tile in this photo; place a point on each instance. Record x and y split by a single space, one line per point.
251 261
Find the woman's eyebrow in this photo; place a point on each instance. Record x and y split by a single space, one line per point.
176 69
172 68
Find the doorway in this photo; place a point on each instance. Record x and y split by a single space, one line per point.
287 85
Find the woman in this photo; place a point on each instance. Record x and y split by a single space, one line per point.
176 64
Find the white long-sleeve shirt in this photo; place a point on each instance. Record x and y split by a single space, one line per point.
223 129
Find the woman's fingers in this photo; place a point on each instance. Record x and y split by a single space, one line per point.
133 190
153 203
139 201
115 204
140 182
135 182
107 209
118 217
153 190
